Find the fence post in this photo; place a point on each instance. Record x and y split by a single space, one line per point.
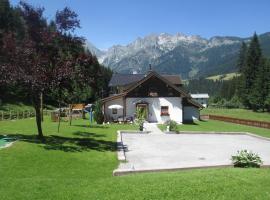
10 115
18 115
2 115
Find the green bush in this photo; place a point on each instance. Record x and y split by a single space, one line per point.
172 125
246 159
140 117
98 114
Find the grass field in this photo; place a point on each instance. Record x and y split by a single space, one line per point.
213 125
225 77
238 113
77 163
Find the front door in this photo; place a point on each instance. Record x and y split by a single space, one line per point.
142 110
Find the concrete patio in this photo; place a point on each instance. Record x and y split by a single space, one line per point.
157 152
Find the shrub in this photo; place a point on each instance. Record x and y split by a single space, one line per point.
246 159
98 114
172 125
141 116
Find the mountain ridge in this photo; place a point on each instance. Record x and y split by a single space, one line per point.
187 55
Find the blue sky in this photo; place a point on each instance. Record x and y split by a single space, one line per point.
109 22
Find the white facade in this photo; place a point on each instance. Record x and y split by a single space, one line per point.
109 112
154 108
191 113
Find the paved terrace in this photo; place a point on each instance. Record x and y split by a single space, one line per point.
176 151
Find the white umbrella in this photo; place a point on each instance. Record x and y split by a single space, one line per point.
115 106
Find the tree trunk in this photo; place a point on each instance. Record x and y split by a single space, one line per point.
70 114
41 106
59 117
36 102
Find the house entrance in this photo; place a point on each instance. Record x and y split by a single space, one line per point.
142 109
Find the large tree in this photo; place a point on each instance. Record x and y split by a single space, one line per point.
250 70
42 61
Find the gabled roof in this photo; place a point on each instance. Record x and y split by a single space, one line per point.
126 79
162 78
153 73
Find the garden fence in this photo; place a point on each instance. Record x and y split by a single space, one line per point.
14 115
260 124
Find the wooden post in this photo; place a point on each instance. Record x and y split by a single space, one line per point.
2 115
18 115
10 117
124 108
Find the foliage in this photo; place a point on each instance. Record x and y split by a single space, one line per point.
140 117
98 114
46 58
254 81
172 125
246 159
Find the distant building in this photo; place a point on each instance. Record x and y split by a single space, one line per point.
201 99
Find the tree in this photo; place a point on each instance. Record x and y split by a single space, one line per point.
253 61
260 90
98 114
42 60
241 62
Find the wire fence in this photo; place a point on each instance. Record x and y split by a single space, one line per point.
15 115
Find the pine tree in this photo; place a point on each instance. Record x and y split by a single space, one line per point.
259 89
253 61
241 62
267 75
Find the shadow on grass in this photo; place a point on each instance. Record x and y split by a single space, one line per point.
68 144
190 123
92 126
88 134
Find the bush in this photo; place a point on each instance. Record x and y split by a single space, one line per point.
98 114
246 159
172 125
140 117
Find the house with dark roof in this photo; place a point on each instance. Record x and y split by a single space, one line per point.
161 97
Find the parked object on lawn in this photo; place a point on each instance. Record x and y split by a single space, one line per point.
89 108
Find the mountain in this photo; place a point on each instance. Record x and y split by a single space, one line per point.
94 50
189 56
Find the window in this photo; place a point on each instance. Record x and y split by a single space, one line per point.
114 111
164 111
153 92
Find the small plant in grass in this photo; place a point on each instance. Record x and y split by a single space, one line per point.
172 125
246 159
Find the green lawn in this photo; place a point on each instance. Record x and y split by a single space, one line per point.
238 113
77 163
214 125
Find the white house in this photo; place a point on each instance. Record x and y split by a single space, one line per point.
201 99
162 97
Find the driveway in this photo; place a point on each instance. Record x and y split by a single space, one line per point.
170 151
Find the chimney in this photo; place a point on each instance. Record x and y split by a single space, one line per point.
150 67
